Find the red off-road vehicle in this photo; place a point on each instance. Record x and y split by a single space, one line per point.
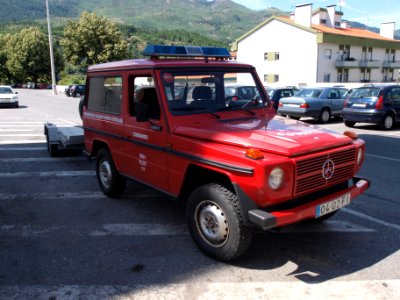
166 122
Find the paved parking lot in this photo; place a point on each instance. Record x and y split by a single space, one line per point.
61 238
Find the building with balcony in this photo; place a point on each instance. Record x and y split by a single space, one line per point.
310 47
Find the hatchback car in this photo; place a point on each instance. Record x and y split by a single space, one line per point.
320 103
77 90
376 104
8 97
275 94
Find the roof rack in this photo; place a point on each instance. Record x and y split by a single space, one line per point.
157 51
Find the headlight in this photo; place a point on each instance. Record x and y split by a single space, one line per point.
14 98
359 156
275 178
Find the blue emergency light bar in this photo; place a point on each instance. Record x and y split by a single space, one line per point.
185 51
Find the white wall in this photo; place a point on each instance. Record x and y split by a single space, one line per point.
297 53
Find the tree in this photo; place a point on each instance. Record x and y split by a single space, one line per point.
5 76
93 40
28 55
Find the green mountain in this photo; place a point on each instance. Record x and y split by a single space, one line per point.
222 20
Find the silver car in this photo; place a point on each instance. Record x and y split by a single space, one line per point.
320 103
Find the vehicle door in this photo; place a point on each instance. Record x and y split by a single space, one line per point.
145 158
336 101
393 100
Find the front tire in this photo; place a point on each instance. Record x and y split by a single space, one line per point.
111 182
349 123
216 224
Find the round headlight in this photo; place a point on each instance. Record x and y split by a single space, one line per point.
359 156
275 178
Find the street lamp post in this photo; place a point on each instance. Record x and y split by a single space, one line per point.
53 73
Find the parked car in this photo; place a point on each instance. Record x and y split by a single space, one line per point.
320 103
376 104
8 97
77 90
240 94
275 94
66 91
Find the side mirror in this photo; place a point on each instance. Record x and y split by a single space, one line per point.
142 112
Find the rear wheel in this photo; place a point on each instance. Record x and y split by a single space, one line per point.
387 122
349 123
216 224
324 116
111 182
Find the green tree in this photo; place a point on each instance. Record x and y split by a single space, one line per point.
5 76
93 40
28 55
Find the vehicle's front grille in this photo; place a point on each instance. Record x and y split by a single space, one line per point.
309 175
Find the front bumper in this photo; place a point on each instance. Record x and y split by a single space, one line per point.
267 220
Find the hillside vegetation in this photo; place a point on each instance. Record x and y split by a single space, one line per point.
221 20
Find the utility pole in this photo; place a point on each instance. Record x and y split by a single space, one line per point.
53 72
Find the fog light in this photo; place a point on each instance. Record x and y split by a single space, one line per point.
275 179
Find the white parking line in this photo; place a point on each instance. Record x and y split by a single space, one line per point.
369 218
383 157
13 142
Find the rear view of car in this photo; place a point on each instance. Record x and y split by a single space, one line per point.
376 104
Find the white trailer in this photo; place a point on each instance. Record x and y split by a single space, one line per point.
63 138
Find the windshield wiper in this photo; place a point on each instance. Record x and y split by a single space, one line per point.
194 108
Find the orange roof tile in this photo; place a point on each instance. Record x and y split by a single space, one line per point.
356 32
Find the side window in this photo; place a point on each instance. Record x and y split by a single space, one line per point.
394 94
142 89
105 94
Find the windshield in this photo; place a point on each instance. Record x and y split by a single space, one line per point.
309 93
6 90
191 92
365 93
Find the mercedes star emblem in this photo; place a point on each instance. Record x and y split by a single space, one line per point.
328 169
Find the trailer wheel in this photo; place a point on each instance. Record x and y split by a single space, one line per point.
52 148
215 222
111 182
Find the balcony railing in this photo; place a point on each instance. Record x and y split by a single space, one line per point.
391 64
347 63
370 63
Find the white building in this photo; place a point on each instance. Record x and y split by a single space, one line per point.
317 47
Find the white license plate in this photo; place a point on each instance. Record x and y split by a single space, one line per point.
363 105
328 207
291 105
5 101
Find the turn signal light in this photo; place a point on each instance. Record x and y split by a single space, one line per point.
254 154
351 134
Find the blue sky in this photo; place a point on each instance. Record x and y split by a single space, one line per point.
371 13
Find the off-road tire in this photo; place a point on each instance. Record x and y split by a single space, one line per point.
52 148
215 222
111 182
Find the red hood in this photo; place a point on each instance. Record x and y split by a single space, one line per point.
276 135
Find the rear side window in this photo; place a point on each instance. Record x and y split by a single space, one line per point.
105 94
365 93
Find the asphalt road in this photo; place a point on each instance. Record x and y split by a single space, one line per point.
61 238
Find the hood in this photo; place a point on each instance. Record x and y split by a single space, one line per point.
275 135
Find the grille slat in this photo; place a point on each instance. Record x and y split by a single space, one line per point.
309 171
